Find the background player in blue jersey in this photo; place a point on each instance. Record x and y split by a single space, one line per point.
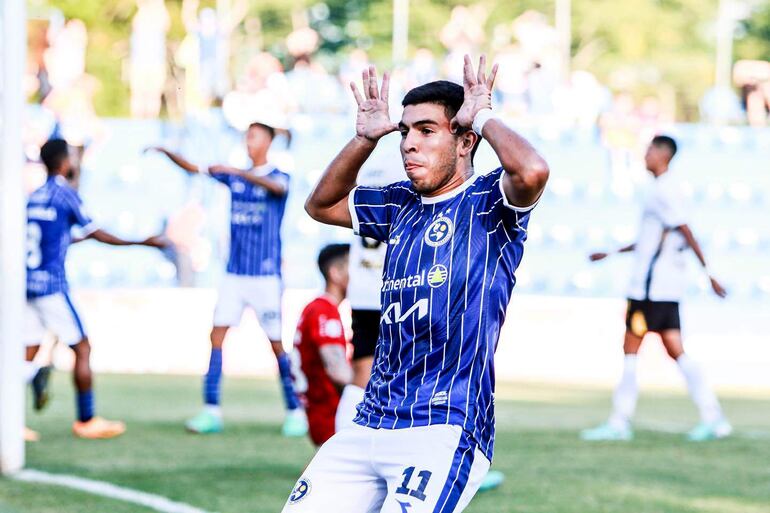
52 211
422 439
253 279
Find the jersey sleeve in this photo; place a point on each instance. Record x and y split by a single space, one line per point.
494 207
325 327
281 178
78 215
223 178
669 206
373 209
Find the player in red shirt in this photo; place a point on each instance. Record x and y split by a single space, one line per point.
320 364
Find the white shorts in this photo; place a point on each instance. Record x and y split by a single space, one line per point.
261 293
415 470
55 313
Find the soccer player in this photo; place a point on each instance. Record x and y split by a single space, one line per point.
656 288
253 278
424 434
321 368
52 211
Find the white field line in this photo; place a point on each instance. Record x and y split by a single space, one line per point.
149 500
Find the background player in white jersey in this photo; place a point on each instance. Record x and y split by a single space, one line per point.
253 279
658 282
52 211
424 433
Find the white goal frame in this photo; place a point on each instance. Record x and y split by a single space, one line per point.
13 50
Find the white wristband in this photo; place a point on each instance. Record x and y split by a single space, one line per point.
481 118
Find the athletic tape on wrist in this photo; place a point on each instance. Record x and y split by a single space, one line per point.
481 118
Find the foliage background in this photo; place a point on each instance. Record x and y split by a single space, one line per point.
658 47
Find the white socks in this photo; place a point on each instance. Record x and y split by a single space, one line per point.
701 394
213 409
346 410
29 370
626 393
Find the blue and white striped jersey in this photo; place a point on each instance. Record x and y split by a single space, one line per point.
52 211
447 281
255 224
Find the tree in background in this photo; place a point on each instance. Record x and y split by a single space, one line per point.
663 48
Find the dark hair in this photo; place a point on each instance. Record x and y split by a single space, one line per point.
266 127
664 140
329 255
53 152
441 92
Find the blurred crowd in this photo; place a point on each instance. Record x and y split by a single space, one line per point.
220 74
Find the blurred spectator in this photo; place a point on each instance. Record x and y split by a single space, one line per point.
148 57
753 77
314 90
720 105
463 34
422 69
205 52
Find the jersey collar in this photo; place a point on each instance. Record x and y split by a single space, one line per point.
264 169
432 200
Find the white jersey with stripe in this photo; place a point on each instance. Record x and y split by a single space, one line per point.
659 269
367 255
448 278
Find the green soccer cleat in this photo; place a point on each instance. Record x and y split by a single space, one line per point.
492 480
295 423
205 423
606 433
704 432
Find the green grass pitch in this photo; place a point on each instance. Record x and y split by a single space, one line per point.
251 468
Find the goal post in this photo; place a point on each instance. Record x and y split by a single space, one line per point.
13 48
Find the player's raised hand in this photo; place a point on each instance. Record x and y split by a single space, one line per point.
478 92
156 241
717 287
373 119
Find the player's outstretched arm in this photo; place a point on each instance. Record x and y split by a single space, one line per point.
595 257
274 187
328 203
157 241
176 159
526 172
718 289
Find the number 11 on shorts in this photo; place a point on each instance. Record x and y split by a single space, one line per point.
419 492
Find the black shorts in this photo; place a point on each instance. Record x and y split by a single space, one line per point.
655 316
366 330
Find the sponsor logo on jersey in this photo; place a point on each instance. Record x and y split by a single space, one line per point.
439 398
300 491
439 232
394 314
437 275
408 282
42 213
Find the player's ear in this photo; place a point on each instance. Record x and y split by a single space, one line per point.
468 140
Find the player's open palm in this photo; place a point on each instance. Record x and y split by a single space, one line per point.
478 92
373 119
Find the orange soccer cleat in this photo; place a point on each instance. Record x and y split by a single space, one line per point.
98 428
